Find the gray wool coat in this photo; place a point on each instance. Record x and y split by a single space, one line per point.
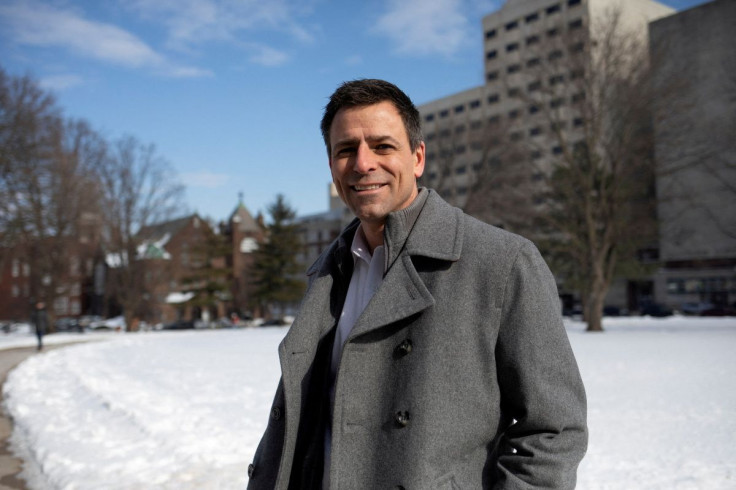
457 375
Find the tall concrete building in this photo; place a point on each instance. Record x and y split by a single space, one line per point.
519 39
695 150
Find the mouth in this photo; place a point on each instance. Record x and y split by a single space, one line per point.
366 187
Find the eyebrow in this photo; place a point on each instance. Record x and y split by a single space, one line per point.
370 139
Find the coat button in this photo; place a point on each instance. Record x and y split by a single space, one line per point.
251 469
275 413
402 418
404 348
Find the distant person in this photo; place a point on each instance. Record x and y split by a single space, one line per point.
429 350
40 322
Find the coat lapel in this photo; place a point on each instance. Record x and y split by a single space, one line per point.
436 234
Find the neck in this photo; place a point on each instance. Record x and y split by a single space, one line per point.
373 233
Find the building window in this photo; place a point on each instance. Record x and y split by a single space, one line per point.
537 176
461 191
532 40
534 86
575 74
557 125
533 62
573 3
514 114
430 136
492 75
557 150
556 79
512 25
516 136
459 109
579 97
491 54
15 268
514 92
460 129
532 18
75 307
15 291
553 32
462 169
444 113
536 131
491 34
555 103
512 47
475 125
429 117
577 122
445 133
475 104
577 47
533 109
459 150
493 98
515 68
493 120
553 9
555 55
575 24
536 155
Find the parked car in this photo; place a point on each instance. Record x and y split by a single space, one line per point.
115 323
179 325
718 311
695 308
655 310
67 324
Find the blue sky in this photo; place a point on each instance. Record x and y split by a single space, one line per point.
231 91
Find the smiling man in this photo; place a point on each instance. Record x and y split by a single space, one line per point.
429 351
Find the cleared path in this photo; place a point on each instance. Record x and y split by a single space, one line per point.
10 466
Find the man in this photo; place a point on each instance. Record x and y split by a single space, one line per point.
40 322
429 351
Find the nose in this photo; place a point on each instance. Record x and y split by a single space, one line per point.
364 160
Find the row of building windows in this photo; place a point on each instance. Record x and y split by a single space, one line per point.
701 285
534 39
532 18
552 57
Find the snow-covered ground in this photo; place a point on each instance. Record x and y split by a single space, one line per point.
185 410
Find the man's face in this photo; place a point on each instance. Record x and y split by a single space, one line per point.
371 161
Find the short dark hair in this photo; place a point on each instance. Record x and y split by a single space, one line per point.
370 91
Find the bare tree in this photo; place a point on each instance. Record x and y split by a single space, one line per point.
45 186
582 179
138 189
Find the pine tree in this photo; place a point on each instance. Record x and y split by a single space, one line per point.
276 269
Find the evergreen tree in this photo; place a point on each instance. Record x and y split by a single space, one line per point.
276 270
209 276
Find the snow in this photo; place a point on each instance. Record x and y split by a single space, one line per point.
185 410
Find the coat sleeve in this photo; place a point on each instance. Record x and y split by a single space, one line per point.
542 394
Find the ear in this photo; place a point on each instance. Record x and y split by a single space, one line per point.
419 155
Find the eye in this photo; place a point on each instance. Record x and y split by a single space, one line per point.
384 147
345 151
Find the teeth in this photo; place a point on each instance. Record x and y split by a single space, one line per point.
366 187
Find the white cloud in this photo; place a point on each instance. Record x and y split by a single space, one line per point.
61 82
190 23
419 27
37 24
354 60
267 56
209 180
